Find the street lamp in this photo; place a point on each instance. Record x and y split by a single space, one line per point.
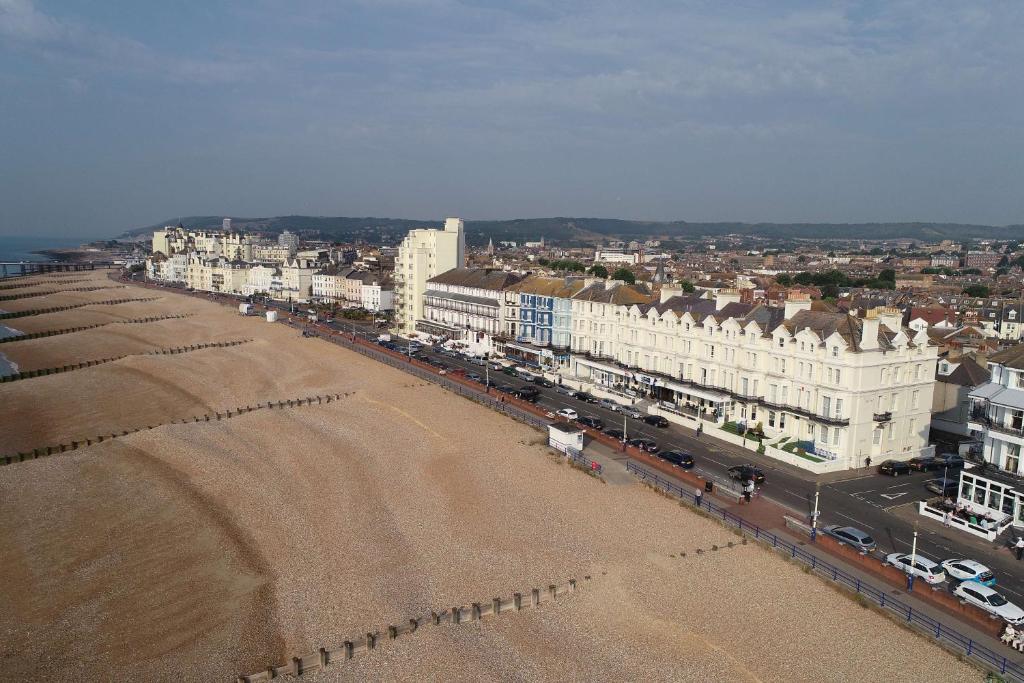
913 561
814 515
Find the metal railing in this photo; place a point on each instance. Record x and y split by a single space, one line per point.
916 618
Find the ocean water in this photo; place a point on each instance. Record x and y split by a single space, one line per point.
20 248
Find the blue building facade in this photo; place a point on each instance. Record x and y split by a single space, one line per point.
545 318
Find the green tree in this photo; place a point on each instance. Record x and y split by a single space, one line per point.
624 274
803 278
687 286
980 291
543 261
597 270
784 279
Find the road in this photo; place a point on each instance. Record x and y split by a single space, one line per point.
878 504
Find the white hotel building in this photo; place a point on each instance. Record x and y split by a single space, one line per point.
997 417
423 254
847 389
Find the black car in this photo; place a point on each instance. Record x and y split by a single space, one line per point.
894 468
925 463
678 458
584 396
505 388
543 382
615 433
527 394
644 445
656 420
592 422
510 371
950 460
747 473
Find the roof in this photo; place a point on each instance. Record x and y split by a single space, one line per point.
968 374
1012 357
548 286
619 294
479 278
482 301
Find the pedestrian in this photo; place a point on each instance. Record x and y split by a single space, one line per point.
1019 547
700 429
698 498
748 490
946 518
867 461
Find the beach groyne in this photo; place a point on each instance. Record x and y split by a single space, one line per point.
44 281
80 328
35 453
49 292
43 372
70 307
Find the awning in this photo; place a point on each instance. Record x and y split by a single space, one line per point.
603 366
706 394
986 391
530 349
1000 395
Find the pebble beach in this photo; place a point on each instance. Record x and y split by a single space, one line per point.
205 550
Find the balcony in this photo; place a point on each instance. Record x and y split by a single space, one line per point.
882 417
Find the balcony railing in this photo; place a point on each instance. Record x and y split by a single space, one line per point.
882 417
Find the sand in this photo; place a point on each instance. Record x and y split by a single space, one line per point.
202 551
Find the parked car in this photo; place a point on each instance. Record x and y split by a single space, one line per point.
476 360
930 571
543 382
950 460
677 458
564 390
615 433
894 468
630 411
505 388
472 376
525 375
527 394
592 422
510 371
747 473
861 540
656 420
568 413
924 464
969 570
585 397
609 404
946 489
644 445
989 600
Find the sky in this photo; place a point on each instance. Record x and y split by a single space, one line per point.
123 113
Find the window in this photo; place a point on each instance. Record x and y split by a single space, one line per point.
839 407
826 405
876 438
824 434
915 398
771 418
835 351
782 342
835 436
1012 461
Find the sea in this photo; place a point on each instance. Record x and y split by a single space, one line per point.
20 248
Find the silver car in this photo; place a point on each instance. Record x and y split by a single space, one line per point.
609 404
851 536
629 411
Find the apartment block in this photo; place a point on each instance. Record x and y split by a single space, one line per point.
423 254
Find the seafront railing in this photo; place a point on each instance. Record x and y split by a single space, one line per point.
919 620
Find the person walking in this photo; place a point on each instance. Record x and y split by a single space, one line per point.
698 498
748 490
946 519
867 461
1019 547
700 429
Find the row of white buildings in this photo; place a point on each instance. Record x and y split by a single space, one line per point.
235 263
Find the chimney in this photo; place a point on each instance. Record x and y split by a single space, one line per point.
869 331
796 302
669 291
725 297
891 317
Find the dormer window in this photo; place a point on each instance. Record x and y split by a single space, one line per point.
835 352
782 342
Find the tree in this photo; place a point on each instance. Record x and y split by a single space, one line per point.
687 286
784 279
804 278
597 270
624 274
980 291
543 261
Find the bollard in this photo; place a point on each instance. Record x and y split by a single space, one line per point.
271 673
413 625
475 612
323 658
572 585
392 632
296 666
349 647
552 591
455 615
371 641
534 597
517 601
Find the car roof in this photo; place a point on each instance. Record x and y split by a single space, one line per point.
980 587
976 566
923 560
854 531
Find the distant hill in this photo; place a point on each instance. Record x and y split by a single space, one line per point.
392 230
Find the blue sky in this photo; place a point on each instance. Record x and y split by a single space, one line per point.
118 114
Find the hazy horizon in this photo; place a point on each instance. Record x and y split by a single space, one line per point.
120 115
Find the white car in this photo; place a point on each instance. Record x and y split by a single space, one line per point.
568 413
989 600
969 570
930 571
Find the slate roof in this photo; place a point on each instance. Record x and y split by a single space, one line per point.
1012 357
479 278
621 295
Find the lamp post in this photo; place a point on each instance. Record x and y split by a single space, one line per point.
913 561
487 373
814 515
624 437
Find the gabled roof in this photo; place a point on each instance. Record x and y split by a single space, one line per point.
479 278
548 286
620 294
1012 357
968 374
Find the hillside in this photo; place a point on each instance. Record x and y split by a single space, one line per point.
391 230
